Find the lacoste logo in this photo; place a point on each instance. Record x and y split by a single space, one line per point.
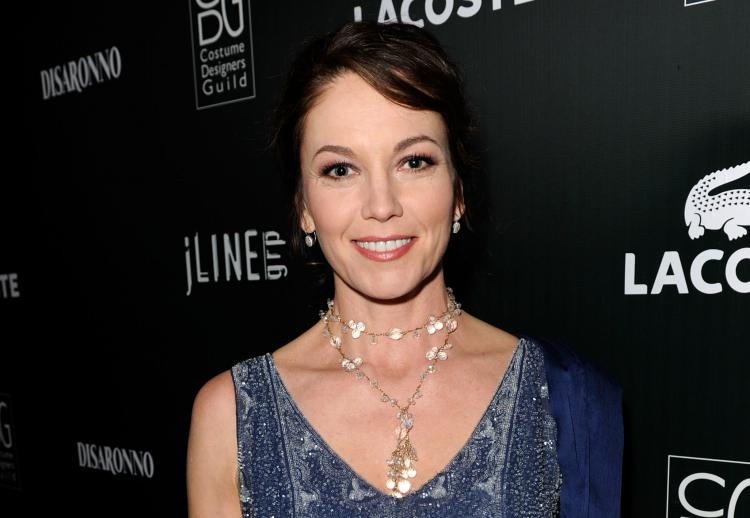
728 210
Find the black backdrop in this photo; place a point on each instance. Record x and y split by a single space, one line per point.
597 119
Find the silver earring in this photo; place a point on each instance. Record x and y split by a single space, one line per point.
310 239
456 227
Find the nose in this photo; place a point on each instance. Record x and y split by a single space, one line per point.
381 199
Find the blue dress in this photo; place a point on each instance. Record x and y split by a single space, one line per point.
508 467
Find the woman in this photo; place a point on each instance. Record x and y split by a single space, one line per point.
397 402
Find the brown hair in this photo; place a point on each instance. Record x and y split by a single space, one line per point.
404 63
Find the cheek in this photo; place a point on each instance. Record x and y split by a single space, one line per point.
330 211
434 207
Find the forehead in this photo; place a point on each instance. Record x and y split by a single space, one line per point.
351 112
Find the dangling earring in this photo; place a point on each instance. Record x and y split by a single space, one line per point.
310 239
456 226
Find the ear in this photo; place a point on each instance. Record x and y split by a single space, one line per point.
459 211
306 221
459 205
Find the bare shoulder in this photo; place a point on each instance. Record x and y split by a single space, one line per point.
214 406
216 399
212 469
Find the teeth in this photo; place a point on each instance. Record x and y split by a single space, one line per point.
383 246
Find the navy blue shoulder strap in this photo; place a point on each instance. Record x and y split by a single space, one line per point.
587 406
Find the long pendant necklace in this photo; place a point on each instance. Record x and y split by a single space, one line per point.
400 464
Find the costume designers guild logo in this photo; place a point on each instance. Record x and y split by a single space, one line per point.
711 488
235 259
707 208
222 42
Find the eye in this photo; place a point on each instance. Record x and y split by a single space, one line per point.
339 170
418 162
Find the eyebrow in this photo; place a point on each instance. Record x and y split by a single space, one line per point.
343 150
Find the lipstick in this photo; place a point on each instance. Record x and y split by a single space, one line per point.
387 248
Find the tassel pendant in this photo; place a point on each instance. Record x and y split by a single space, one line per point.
401 463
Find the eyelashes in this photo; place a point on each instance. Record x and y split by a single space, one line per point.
338 166
343 167
427 159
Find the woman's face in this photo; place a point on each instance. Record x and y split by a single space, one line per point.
378 188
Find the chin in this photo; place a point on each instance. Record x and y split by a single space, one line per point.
388 287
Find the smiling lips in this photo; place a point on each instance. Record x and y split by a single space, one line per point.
386 248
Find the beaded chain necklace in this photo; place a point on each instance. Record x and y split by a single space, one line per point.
400 464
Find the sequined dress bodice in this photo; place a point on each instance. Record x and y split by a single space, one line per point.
507 468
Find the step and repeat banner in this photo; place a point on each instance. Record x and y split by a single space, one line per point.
145 245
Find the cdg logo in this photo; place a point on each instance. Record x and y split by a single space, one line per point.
707 488
220 15
6 438
719 513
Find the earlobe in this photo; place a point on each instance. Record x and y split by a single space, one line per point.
456 226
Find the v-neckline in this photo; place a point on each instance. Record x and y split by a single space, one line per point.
447 467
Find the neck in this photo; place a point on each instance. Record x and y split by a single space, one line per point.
390 358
